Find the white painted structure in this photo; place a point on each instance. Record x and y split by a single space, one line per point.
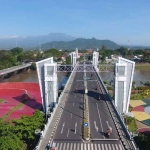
73 58
95 58
47 76
77 52
124 71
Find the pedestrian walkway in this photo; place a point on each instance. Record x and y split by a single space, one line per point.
88 146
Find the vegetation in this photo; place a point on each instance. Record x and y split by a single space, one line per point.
131 122
16 56
33 66
140 94
68 60
19 134
85 129
143 141
2 100
14 109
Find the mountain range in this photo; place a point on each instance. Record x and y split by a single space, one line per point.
33 41
59 41
80 43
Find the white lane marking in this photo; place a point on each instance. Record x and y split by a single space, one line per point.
106 146
113 147
85 147
81 146
74 146
88 146
71 145
109 146
71 115
57 145
62 127
64 147
116 147
68 133
95 146
100 120
75 128
96 126
67 146
78 146
60 146
120 147
98 146
91 147
102 147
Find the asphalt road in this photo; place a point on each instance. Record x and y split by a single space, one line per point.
70 124
99 115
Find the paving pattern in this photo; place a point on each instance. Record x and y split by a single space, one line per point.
141 110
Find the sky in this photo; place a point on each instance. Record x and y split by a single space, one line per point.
116 20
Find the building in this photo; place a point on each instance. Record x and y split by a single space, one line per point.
124 71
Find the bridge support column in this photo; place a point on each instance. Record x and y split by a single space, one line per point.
95 58
124 71
73 58
51 91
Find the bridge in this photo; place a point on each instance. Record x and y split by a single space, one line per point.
84 106
13 69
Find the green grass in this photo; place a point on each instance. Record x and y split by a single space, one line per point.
130 109
132 126
2 100
143 67
14 109
139 96
131 122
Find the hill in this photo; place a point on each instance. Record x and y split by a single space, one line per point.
80 43
32 41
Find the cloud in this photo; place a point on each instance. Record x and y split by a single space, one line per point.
9 37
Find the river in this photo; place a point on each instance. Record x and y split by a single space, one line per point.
31 76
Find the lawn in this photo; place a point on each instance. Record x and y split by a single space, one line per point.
2 100
142 66
132 126
131 122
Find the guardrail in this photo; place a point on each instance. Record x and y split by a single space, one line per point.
116 110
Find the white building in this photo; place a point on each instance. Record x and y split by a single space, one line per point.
124 71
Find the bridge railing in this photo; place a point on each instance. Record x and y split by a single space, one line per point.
116 109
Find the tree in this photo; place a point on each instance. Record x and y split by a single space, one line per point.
33 66
68 60
103 47
16 50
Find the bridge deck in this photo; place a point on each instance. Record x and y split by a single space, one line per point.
68 135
